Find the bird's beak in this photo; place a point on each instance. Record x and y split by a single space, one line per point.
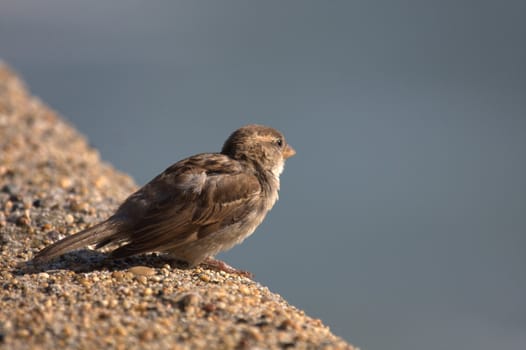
288 152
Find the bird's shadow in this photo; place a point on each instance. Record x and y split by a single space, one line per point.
85 260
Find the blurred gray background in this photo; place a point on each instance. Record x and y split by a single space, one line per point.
402 219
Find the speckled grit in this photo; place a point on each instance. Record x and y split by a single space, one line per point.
52 184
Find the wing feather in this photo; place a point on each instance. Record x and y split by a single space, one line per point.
196 201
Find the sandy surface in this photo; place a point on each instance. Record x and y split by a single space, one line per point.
53 184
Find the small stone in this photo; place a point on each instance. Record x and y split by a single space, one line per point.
28 203
142 271
8 206
142 279
23 221
209 307
146 335
68 330
65 182
126 291
286 339
126 304
204 277
78 206
43 275
69 219
85 282
24 333
244 290
101 182
255 334
6 275
119 330
118 275
141 307
188 300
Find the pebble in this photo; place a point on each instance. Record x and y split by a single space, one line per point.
43 275
142 271
286 339
79 206
65 182
119 330
146 335
68 331
118 275
255 334
69 219
28 203
24 333
244 289
126 291
142 279
101 182
204 277
188 300
23 221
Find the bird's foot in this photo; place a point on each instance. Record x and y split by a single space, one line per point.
218 265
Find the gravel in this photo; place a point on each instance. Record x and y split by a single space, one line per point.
52 184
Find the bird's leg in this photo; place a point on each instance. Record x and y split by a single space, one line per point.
218 265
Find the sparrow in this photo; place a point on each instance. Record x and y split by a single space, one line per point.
197 207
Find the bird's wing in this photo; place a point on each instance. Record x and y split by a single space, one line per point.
198 199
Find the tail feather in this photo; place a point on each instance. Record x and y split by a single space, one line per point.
103 231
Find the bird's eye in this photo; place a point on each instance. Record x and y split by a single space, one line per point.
279 142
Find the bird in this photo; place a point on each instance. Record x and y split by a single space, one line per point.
197 207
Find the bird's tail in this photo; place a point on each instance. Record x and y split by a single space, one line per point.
103 231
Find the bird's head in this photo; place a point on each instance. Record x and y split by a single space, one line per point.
260 145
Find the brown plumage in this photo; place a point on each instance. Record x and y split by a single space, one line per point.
197 207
